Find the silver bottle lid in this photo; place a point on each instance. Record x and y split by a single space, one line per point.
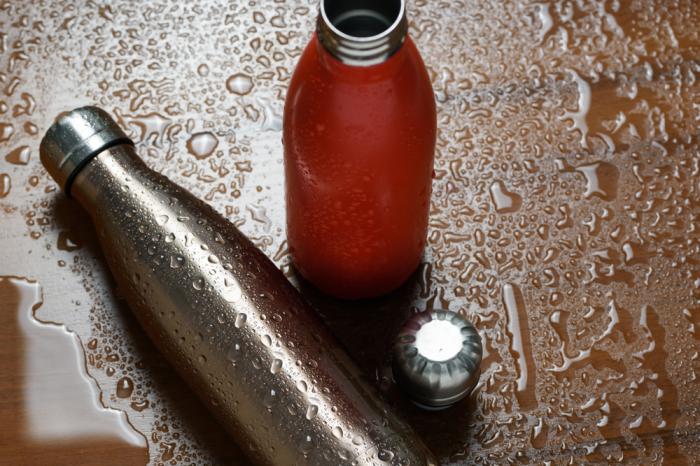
437 358
74 139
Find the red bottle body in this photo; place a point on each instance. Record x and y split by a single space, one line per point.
359 147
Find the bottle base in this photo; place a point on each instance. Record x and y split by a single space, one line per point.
347 289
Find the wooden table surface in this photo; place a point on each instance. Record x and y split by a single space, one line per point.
565 222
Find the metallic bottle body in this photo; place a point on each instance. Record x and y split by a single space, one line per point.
233 326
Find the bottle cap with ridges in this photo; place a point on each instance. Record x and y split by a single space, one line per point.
437 358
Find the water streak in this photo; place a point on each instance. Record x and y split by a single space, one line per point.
520 346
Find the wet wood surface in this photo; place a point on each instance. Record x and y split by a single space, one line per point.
564 221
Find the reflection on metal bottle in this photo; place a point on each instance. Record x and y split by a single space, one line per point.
221 312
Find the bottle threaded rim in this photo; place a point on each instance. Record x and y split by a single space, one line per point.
362 32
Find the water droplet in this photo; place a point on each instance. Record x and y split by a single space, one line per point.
601 180
337 432
232 354
153 126
67 241
546 20
177 261
270 399
311 411
140 405
240 320
504 200
202 145
5 185
634 253
259 214
385 455
31 128
276 366
306 444
232 291
240 84
578 117
198 284
162 219
6 131
203 70
19 156
124 387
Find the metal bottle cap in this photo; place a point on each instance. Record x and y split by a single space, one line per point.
74 139
437 358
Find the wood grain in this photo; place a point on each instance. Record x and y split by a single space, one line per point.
505 74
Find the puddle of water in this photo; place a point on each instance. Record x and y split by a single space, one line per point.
53 407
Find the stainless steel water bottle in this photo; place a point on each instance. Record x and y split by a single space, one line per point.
225 317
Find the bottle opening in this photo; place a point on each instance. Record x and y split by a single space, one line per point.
358 18
362 32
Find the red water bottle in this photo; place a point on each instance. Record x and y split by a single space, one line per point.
359 142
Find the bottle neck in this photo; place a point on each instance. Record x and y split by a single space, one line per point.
362 32
103 179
